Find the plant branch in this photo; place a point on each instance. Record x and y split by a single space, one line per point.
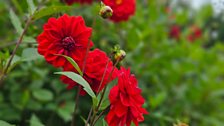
101 114
14 51
103 93
79 88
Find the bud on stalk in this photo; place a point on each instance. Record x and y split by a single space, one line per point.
105 11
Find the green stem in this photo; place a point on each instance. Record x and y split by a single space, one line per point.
102 96
14 51
79 88
101 114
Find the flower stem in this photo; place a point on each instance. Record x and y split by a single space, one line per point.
98 117
79 88
102 96
91 110
76 105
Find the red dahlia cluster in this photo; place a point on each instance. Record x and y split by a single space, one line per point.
68 35
126 101
195 33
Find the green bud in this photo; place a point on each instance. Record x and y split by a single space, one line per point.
120 55
106 12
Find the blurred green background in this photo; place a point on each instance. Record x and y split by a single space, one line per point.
182 79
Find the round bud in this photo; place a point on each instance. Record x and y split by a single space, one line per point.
120 55
106 12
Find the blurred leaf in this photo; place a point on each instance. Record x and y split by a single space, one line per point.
16 59
29 54
84 120
17 6
65 111
80 80
28 39
32 7
158 99
74 64
16 22
43 95
49 11
1 98
101 122
3 123
106 101
217 93
34 121
34 105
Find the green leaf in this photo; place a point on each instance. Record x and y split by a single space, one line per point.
3 123
101 122
74 64
28 39
65 111
80 80
49 11
16 22
43 95
106 101
84 120
34 121
32 7
29 54
16 60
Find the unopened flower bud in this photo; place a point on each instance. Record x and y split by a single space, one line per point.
120 55
106 12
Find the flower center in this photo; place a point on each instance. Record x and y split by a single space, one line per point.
68 43
118 2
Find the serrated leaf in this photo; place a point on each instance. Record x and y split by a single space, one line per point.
80 80
3 123
16 22
49 11
29 54
43 95
34 121
32 7
74 64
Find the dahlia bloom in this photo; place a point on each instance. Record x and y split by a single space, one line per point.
66 35
126 101
195 33
175 32
70 2
122 9
94 69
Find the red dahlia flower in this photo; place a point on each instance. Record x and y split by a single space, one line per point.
70 2
122 9
174 32
195 33
126 101
95 66
66 35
